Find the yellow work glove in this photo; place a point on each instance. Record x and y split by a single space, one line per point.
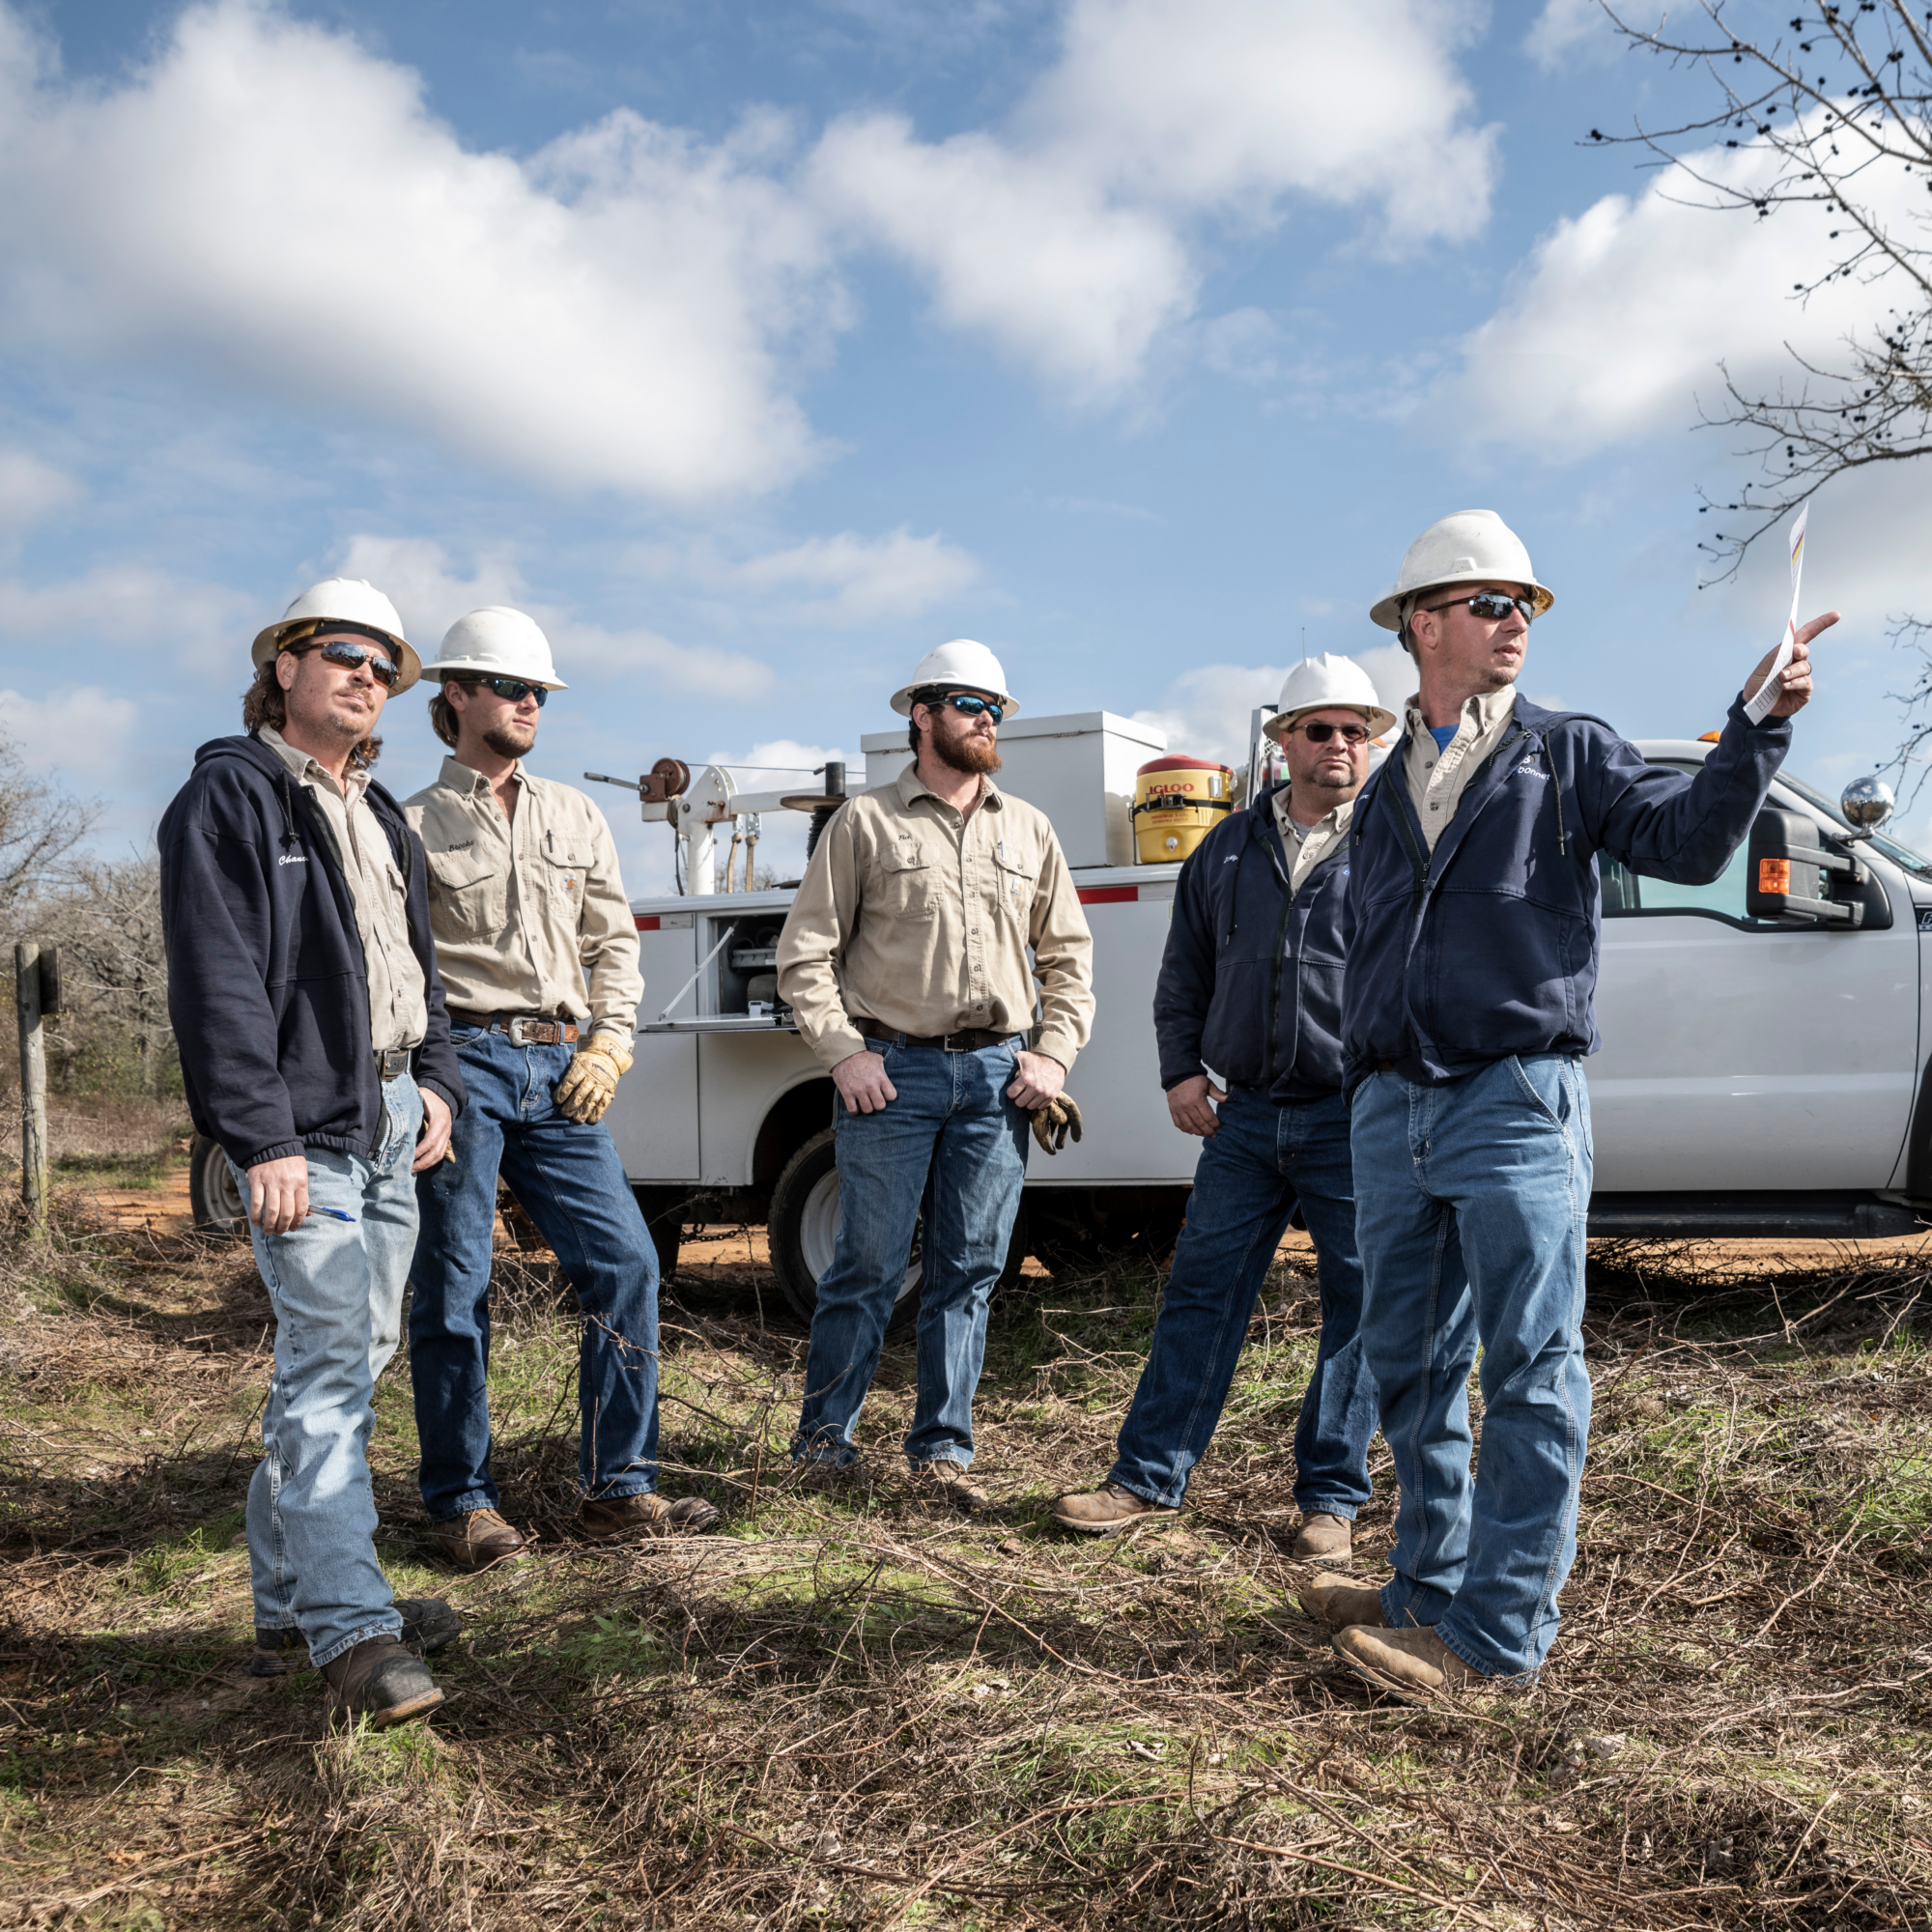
591 1082
1054 1121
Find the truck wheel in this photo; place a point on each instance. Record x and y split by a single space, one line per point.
803 1225
212 1191
663 1210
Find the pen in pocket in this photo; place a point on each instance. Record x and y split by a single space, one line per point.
335 1214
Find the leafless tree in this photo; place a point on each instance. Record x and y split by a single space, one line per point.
1840 107
40 826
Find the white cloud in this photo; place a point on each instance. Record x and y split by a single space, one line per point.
694 670
608 315
865 579
1626 311
80 730
203 626
1065 238
1562 28
31 490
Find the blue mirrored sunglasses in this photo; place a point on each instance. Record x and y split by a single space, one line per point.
971 705
511 690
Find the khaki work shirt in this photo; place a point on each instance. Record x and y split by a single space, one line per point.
526 910
1437 781
920 920
1305 846
398 1003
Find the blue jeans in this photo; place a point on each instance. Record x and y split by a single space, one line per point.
571 1184
954 1145
1252 1172
337 1292
1471 1203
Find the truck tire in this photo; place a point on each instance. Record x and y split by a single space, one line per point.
663 1210
803 1224
212 1191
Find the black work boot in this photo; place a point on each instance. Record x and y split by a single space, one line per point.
428 1624
381 1681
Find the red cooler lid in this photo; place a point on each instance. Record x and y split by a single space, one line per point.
1178 763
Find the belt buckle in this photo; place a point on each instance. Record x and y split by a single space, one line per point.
517 1036
953 1042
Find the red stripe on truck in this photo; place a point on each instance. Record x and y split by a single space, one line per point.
1109 894
647 922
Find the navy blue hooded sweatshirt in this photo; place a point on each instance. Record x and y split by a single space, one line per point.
1251 980
1487 946
266 985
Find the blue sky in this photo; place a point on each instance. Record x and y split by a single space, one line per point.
756 349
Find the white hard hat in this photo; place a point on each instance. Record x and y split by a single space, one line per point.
1470 546
348 601
496 642
1316 684
961 666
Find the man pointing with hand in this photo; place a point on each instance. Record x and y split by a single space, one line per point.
904 959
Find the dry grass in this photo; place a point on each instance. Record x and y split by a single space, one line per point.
845 1711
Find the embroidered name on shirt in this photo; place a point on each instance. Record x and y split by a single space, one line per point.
293 859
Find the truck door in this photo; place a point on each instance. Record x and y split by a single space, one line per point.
1742 1055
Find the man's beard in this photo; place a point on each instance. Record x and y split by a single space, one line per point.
966 752
510 741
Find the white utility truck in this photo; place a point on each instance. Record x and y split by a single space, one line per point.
1762 1073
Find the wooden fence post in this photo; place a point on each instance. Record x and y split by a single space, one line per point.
33 1083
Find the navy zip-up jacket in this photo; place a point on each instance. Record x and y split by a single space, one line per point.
1487 946
1251 978
267 984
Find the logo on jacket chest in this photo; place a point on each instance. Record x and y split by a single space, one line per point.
293 859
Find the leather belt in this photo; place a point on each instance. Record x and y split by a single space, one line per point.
393 1062
524 1030
969 1039
1384 1066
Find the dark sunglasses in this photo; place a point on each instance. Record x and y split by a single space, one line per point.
971 706
511 690
1491 606
352 657
1319 731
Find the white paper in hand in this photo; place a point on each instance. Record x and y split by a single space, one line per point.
1768 692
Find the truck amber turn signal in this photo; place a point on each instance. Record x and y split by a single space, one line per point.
1774 876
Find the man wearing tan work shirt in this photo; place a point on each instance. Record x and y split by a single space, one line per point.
538 951
905 961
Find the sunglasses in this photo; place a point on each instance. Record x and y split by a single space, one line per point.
352 657
970 706
1491 606
1318 731
512 690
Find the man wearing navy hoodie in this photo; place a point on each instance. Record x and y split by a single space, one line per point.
1250 995
1466 1014
315 1048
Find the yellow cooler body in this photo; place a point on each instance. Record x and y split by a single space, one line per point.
1177 802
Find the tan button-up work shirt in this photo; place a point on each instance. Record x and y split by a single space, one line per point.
1305 846
916 918
527 911
398 1005
1436 782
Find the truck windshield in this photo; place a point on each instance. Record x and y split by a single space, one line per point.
1900 855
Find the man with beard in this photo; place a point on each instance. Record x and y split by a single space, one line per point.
539 952
904 960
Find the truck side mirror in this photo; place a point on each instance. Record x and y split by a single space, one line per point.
1787 868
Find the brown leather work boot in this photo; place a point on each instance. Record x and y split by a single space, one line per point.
476 1538
381 1681
947 1481
1324 1538
1411 1663
1342 1600
1108 1510
610 1518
